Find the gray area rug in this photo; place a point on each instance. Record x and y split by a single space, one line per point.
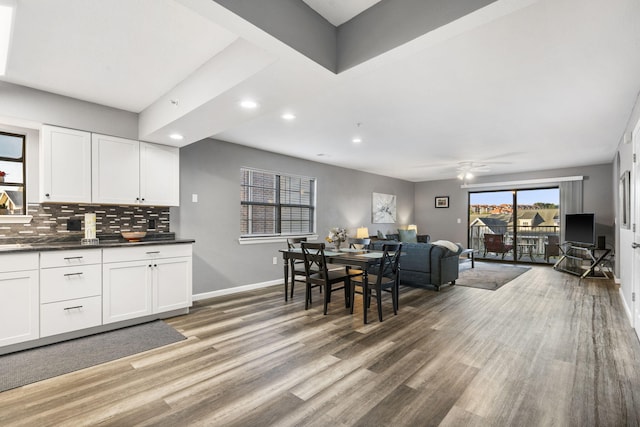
29 366
488 275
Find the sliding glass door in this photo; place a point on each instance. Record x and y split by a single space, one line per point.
515 225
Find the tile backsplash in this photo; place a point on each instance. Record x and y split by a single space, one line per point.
50 220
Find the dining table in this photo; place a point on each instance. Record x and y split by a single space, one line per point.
361 259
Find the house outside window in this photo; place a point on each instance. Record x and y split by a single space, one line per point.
12 174
276 204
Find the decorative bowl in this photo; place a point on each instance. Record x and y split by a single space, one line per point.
133 236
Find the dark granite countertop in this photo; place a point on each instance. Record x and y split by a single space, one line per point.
106 241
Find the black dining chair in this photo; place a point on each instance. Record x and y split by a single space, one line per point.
359 243
386 279
297 265
318 275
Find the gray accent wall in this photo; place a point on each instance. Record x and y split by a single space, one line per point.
442 223
292 22
38 107
211 169
386 25
391 23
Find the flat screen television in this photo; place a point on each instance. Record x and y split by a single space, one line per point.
580 229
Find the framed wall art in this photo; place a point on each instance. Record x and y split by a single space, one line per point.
383 208
442 202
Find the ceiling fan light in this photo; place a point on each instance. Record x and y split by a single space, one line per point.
468 175
461 175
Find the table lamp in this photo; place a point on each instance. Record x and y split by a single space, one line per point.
362 233
412 227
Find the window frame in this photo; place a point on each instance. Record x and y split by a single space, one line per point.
278 205
23 161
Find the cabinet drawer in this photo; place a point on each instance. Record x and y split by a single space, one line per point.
66 316
18 262
65 283
70 258
146 252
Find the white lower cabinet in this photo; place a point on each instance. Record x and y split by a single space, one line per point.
55 292
70 315
127 291
156 280
70 291
19 298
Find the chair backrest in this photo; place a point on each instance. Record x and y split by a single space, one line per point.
553 239
294 242
314 259
365 242
390 262
494 241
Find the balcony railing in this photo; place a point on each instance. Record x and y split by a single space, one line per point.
528 242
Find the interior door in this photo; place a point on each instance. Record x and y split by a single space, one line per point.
635 190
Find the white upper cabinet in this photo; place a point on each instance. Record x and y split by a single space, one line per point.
115 170
159 175
129 172
65 165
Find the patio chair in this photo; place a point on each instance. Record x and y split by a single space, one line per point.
495 243
552 247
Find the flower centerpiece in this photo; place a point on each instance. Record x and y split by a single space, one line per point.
2 174
336 236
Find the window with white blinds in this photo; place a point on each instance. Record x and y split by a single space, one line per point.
275 204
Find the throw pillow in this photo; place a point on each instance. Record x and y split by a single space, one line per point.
381 235
408 236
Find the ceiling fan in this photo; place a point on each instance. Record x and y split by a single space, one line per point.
467 169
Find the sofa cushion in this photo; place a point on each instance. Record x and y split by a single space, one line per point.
381 235
408 236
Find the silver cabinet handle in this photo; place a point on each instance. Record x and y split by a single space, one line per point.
73 257
73 274
74 307
635 245
153 252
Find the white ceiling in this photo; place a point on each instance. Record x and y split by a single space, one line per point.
522 85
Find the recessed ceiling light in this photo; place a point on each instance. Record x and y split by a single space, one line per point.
356 140
176 136
249 104
288 116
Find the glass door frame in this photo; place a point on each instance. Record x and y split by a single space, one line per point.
514 227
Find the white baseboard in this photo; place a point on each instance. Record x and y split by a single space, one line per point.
236 289
627 309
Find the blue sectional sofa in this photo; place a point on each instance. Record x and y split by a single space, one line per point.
426 264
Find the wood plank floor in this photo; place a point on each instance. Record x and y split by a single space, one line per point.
543 350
